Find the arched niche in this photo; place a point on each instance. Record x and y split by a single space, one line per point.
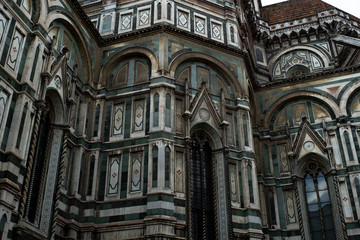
207 137
129 71
350 99
321 161
224 70
130 52
327 104
195 72
65 24
298 61
55 106
314 178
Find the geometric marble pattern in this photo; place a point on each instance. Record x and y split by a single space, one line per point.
118 119
136 171
3 24
144 17
3 101
183 19
114 175
216 31
200 25
126 21
14 49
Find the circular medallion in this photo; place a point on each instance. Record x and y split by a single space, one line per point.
309 146
204 114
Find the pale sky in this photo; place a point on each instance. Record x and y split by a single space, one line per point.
349 6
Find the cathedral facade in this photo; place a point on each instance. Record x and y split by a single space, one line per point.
179 119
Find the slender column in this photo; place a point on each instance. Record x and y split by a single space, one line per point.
202 182
188 188
40 109
226 154
59 185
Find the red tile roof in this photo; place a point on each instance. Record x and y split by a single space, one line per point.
293 9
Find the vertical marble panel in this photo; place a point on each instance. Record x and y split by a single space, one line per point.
233 185
47 206
230 130
179 172
284 163
3 24
114 170
179 112
290 207
118 119
136 171
3 101
138 115
15 49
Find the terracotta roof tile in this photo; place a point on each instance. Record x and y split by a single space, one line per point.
293 9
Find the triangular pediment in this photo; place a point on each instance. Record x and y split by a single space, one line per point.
202 108
308 141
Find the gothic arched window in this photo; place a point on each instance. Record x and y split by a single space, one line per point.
202 191
319 206
168 111
272 207
348 146
250 182
167 167
159 11
232 34
21 127
3 226
91 176
169 11
156 110
97 119
155 166
245 128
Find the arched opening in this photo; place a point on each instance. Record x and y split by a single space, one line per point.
159 11
202 187
3 227
42 155
319 205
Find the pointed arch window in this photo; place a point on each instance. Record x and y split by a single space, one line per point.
357 187
156 110
202 190
319 207
159 11
97 119
81 177
169 7
168 111
232 34
167 167
272 207
155 152
245 128
34 198
91 176
87 118
21 127
250 182
241 186
348 146
3 227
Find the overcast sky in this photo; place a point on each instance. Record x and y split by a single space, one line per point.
349 6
